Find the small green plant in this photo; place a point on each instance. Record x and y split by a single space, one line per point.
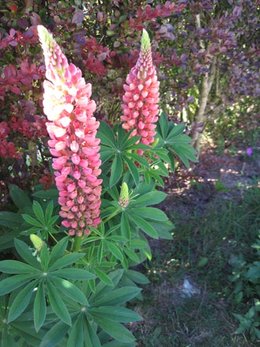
249 322
220 186
246 277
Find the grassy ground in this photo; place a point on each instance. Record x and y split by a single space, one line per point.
199 256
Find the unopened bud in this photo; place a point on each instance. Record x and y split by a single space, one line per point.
37 242
145 41
124 195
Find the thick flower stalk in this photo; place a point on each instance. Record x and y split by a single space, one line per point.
73 144
140 101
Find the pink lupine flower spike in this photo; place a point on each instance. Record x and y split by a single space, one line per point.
140 101
73 144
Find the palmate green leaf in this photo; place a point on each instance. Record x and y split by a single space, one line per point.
74 274
57 304
101 288
38 211
176 131
181 139
50 194
144 226
91 338
39 308
113 192
28 336
17 267
122 136
184 152
104 277
49 211
106 135
131 142
10 220
11 283
117 296
32 221
143 246
19 197
54 335
70 290
151 198
143 188
7 240
44 257
21 301
108 211
53 220
140 145
117 238
116 330
132 169
26 254
115 313
153 176
76 334
66 261
139 244
163 125
114 249
137 277
173 138
137 158
125 226
161 168
150 213
162 153
116 170
58 250
132 255
100 251
6 339
106 154
164 229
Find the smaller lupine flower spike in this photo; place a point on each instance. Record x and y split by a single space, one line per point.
140 101
73 143
124 195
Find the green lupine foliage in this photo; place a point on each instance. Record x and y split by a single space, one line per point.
74 291
172 138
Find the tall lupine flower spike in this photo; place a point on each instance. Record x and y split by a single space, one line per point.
140 101
73 144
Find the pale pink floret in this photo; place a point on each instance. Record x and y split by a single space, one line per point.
72 129
140 101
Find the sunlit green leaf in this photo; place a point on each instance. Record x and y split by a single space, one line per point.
39 308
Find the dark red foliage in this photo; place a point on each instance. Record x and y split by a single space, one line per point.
151 14
95 56
104 42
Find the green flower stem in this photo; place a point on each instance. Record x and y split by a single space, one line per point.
77 243
112 215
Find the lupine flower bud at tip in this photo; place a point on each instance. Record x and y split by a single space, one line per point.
140 101
37 242
73 143
124 195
